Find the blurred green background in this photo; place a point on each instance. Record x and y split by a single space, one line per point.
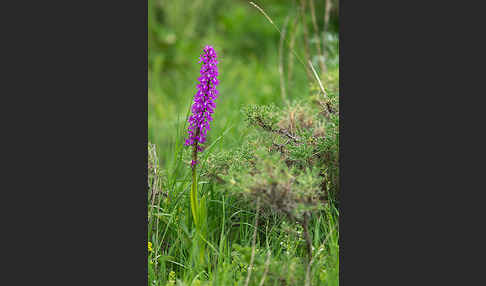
247 46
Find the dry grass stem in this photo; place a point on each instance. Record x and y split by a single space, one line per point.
326 22
252 259
306 37
265 14
295 26
318 80
278 30
280 66
322 64
327 14
309 248
267 264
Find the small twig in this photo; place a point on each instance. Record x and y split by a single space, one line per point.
250 267
286 133
268 128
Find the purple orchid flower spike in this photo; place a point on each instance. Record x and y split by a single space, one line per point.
204 104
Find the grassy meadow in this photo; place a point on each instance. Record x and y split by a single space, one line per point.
264 136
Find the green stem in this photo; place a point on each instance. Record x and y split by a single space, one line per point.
194 196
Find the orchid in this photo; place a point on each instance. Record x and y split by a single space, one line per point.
204 104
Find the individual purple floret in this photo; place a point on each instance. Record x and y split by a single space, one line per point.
204 104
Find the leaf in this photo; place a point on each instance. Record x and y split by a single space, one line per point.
193 195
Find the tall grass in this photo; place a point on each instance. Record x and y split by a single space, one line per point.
229 239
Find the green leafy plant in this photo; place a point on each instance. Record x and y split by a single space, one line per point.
290 162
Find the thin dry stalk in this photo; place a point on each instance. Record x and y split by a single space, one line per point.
290 68
266 16
318 80
280 66
252 259
309 73
326 22
278 30
155 182
308 272
309 248
327 14
267 264
306 37
322 64
154 189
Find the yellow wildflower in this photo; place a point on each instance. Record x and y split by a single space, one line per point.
150 246
172 279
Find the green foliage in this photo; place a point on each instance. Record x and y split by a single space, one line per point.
175 258
248 48
258 147
289 158
261 115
